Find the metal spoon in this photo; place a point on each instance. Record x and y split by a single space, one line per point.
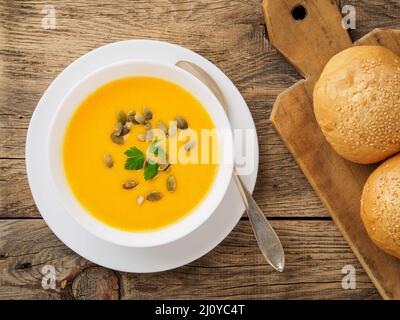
267 239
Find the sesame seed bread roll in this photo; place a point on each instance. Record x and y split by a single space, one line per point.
380 206
357 103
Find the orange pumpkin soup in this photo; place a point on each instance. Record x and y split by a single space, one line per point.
105 157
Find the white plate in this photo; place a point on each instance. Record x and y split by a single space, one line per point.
165 257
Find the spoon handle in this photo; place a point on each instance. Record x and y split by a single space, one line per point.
266 237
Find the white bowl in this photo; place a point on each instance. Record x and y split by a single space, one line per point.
80 92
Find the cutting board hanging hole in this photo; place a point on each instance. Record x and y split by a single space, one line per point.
299 12
301 29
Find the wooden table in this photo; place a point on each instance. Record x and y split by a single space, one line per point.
232 35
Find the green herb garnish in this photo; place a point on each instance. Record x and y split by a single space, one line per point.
135 159
151 170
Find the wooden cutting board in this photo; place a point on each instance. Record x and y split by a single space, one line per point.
308 37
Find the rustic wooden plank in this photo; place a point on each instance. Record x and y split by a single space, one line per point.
96 283
375 13
315 254
26 246
29 60
371 14
15 197
141 12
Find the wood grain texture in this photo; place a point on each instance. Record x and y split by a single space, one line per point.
229 33
316 254
338 182
96 283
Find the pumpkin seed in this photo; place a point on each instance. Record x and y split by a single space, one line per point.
181 123
128 124
172 130
139 118
154 196
131 116
140 200
108 160
171 184
162 126
118 129
117 139
125 130
121 117
141 137
148 115
189 145
130 184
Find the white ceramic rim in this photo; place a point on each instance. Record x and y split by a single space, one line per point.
102 76
156 259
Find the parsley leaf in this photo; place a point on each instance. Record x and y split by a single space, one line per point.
133 152
135 159
151 171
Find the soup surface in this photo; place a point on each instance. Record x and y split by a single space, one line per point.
99 185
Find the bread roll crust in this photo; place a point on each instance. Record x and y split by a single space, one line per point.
357 103
380 206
